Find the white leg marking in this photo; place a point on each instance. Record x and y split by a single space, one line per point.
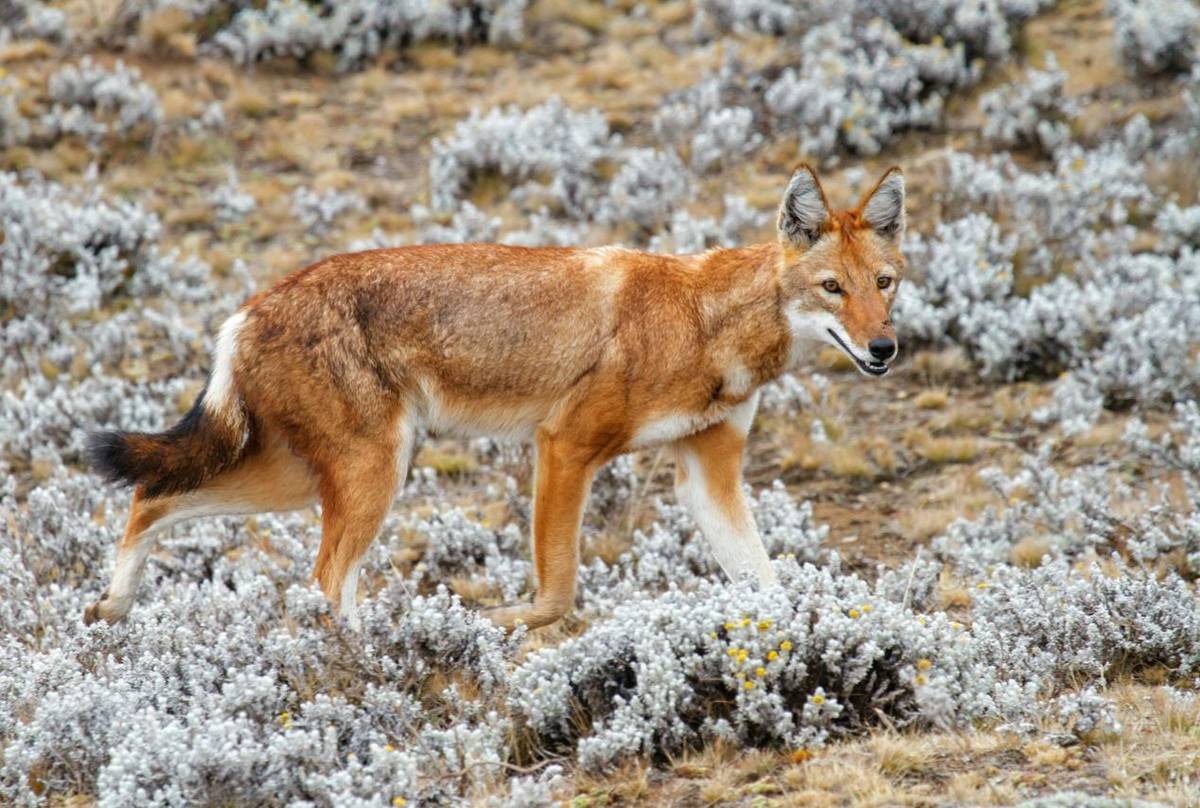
348 608
131 563
741 417
729 531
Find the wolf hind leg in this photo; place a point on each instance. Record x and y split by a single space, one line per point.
271 479
562 480
357 491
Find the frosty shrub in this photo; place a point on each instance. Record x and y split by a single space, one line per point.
868 70
648 185
542 230
93 102
614 489
1058 216
1060 626
467 224
1156 36
723 137
230 203
358 30
1178 227
319 210
1069 517
24 19
856 86
982 28
687 234
789 666
66 249
1121 322
1165 529
1087 713
1088 514
14 126
230 685
762 16
456 546
710 121
1029 112
546 141
673 552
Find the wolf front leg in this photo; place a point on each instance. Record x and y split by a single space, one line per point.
708 478
562 477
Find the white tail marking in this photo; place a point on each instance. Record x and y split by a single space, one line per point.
220 398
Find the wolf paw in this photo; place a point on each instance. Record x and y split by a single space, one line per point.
106 609
508 617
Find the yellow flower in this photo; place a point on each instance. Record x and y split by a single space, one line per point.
763 625
741 674
954 624
732 652
853 614
817 698
920 621
924 664
713 635
748 685
866 607
786 645
760 672
399 802
730 626
981 585
389 748
745 622
772 656
920 680
285 718
741 655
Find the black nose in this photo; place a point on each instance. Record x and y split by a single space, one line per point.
882 348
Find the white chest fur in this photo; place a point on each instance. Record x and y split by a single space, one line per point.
672 426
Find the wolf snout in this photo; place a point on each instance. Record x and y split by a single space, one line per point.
882 348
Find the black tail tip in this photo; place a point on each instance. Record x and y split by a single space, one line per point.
107 455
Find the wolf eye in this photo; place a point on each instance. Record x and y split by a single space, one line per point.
883 281
831 286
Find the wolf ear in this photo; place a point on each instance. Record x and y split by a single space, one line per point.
883 207
804 211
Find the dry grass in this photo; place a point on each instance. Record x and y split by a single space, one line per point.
948 450
931 400
1029 552
447 461
940 367
848 461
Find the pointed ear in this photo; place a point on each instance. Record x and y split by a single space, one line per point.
804 211
883 207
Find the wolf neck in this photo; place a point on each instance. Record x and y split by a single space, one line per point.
741 310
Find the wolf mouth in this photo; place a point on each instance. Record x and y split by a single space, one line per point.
870 368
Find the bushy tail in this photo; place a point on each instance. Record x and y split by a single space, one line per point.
199 447
210 439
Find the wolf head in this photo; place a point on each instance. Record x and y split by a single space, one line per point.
841 269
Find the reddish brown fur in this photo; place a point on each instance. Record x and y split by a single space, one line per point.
587 352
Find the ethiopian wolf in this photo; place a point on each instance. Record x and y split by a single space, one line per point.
320 383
